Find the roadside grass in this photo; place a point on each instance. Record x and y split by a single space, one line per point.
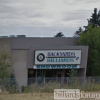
49 87
35 96
46 91
27 96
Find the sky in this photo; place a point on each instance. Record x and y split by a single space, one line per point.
44 18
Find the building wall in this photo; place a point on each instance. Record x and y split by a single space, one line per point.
23 51
20 66
32 44
26 43
5 44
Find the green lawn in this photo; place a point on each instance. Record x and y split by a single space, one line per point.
27 96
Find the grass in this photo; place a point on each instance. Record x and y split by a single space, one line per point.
46 91
27 96
49 87
32 96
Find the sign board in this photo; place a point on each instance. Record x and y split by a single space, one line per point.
55 66
45 57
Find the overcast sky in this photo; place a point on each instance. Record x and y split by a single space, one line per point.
44 18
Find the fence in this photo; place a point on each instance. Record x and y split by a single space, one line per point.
12 86
65 80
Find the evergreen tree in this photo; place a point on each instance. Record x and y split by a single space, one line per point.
60 34
94 20
78 32
72 73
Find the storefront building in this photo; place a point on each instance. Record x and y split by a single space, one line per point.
46 57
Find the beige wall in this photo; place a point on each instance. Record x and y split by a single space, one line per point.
20 66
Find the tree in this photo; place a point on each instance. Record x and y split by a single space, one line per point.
5 64
78 32
60 34
92 39
72 73
12 83
6 72
95 20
